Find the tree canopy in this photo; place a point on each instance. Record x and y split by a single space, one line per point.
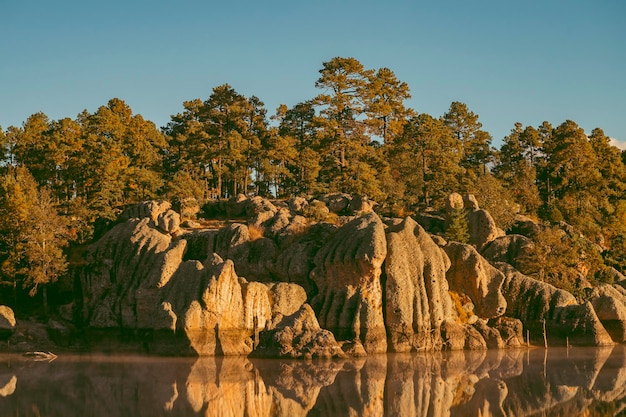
355 136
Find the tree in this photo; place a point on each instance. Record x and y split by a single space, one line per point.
299 123
572 172
384 97
514 166
425 159
457 229
33 234
219 141
475 142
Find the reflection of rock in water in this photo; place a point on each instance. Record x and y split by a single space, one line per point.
610 384
358 390
7 387
486 383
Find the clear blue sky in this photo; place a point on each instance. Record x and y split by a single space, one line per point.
509 61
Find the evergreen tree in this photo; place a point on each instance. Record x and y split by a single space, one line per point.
514 166
476 143
426 160
457 229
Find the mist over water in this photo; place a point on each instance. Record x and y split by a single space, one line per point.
556 382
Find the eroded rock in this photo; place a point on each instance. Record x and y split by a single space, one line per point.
472 275
537 303
347 274
417 298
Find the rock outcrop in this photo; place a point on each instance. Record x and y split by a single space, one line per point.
609 303
472 275
7 322
284 285
347 274
139 281
417 298
509 249
299 335
537 303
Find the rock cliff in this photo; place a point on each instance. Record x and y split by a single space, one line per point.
274 283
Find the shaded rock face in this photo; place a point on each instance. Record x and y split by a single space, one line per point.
295 262
417 298
534 302
7 322
471 274
501 333
525 226
609 303
347 274
253 258
507 249
299 335
482 228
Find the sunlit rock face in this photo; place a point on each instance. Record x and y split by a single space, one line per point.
471 274
347 274
7 322
417 297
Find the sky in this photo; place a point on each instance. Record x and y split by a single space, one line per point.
509 61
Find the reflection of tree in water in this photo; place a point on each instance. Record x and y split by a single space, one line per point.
494 383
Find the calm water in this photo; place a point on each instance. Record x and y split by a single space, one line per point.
574 382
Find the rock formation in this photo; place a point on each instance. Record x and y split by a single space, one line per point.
536 303
609 303
471 274
417 298
509 249
7 322
347 274
138 281
285 285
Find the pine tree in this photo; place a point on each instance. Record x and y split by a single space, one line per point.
457 229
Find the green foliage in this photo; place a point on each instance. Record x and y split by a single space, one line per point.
560 258
32 235
496 199
457 229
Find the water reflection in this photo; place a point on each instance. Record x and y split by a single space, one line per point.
495 383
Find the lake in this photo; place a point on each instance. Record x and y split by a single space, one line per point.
557 382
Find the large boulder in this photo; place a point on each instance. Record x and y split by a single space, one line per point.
509 249
299 335
609 303
208 307
347 274
7 322
417 297
481 225
472 275
540 305
482 228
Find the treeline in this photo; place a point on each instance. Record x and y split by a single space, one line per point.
356 136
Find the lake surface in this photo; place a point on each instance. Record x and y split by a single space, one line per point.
559 382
